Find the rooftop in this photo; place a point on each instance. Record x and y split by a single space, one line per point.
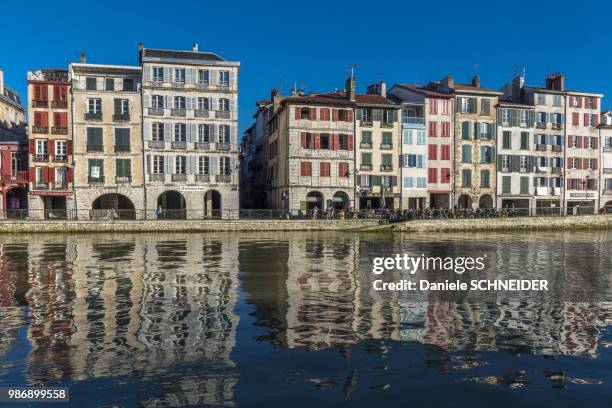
194 56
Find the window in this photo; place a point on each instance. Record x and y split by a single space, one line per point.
466 130
506 117
590 102
61 148
180 165
524 164
432 175
485 178
505 164
204 77
122 139
575 119
445 175
60 93
524 118
486 130
324 169
506 183
409 160
158 74
157 131
343 169
224 134
94 139
179 75
41 147
421 182
485 106
224 105
524 140
408 182
557 100
96 169
109 84
466 105
204 133
407 136
590 120
158 165
91 84
487 154
324 113
157 101
180 132
387 160
305 169
224 78
39 176
507 140
421 139
433 152
445 107
420 161
343 115
575 101
324 142
466 178
366 137
387 138
432 129
524 185
122 106
203 104
365 115
204 165
128 85
123 168
466 153
94 105
433 107
445 152
60 176
366 158
445 129
179 102
541 99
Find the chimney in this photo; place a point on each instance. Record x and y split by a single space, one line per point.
275 98
517 87
1 82
476 81
379 88
140 46
350 88
293 92
448 83
83 57
300 92
196 47
555 82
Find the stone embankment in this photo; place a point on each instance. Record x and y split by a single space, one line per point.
584 222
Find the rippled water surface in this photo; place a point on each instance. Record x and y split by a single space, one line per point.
165 320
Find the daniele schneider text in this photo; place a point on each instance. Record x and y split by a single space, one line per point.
412 264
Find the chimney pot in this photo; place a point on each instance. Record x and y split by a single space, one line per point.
476 81
350 88
83 58
196 47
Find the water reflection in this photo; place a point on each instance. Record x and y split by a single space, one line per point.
163 313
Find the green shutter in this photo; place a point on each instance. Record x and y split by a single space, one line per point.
506 183
516 164
477 131
524 185
117 106
465 130
515 117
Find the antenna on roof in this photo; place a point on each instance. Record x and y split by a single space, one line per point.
524 71
476 68
351 69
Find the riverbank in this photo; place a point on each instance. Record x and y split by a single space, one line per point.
583 222
74 226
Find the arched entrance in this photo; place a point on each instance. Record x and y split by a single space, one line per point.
171 204
16 202
485 201
314 199
608 207
112 206
465 201
212 204
340 200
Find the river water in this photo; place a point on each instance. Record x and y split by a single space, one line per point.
278 319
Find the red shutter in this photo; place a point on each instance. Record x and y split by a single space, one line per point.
69 174
575 119
317 141
302 169
585 163
595 120
578 142
350 115
579 101
37 92
33 174
569 184
595 143
569 162
595 103
570 140
51 147
51 171
350 142
595 164
69 147
586 119
45 175
336 141
32 146
335 115
303 140
586 102
313 113
45 92
297 113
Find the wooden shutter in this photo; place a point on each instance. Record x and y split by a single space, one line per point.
32 174
298 113
51 147
313 113
303 140
317 141
335 115
350 142
585 119
69 147
45 175
595 143
350 115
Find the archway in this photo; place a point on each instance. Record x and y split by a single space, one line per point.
485 201
340 200
112 205
465 201
171 204
212 204
314 199
608 206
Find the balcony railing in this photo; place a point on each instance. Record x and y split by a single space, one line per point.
365 122
204 178
557 126
59 131
201 113
93 115
365 145
222 114
60 158
41 157
223 178
179 177
156 111
607 149
386 124
365 166
41 186
541 147
62 185
607 171
16 177
557 148
413 120
40 129
121 117
59 104
178 112
386 146
157 144
386 167
202 146
203 85
556 170
541 125
178 84
179 145
222 146
157 177
123 179
95 148
122 148
95 180
40 103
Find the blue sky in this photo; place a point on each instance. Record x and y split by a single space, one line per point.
314 42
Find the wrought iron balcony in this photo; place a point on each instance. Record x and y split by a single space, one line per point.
156 111
222 146
123 179
557 148
365 166
178 112
365 145
607 171
556 170
222 114
59 104
204 178
386 146
121 117
386 124
156 177
386 167
59 131
15 176
541 147
202 146
157 144
95 148
60 158
541 125
557 126
40 103
179 177
179 85
122 148
179 145
93 115
41 157
201 113
95 180
365 122
203 85
41 186
223 178
40 129
60 186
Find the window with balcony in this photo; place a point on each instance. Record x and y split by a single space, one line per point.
225 167
158 74
389 117
524 140
95 139
41 122
366 160
541 99
61 151
343 115
365 116
61 179
180 132
204 165
574 101
203 76
224 106
41 177
507 139
386 140
179 75
224 78
158 165
122 139
524 164
324 141
203 104
466 105
122 110
42 150
366 139
487 154
41 97
157 131
157 101
180 165
343 141
505 163
485 106
590 102
524 118
506 117
386 162
204 133
94 105
224 134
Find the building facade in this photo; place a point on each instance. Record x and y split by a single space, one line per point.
106 118
190 128
605 141
515 160
50 146
13 153
377 152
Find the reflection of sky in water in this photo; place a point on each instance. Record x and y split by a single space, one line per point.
252 319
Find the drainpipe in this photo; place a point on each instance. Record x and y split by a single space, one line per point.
564 183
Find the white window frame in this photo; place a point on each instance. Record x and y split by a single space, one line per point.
158 165
61 147
42 146
179 75
180 164
94 105
157 74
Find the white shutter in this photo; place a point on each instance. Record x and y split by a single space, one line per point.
231 105
171 160
232 164
233 134
168 131
212 77
148 73
214 165
231 80
215 104
188 105
168 100
194 132
166 164
213 134
146 130
148 164
147 100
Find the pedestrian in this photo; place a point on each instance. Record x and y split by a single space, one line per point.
158 211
